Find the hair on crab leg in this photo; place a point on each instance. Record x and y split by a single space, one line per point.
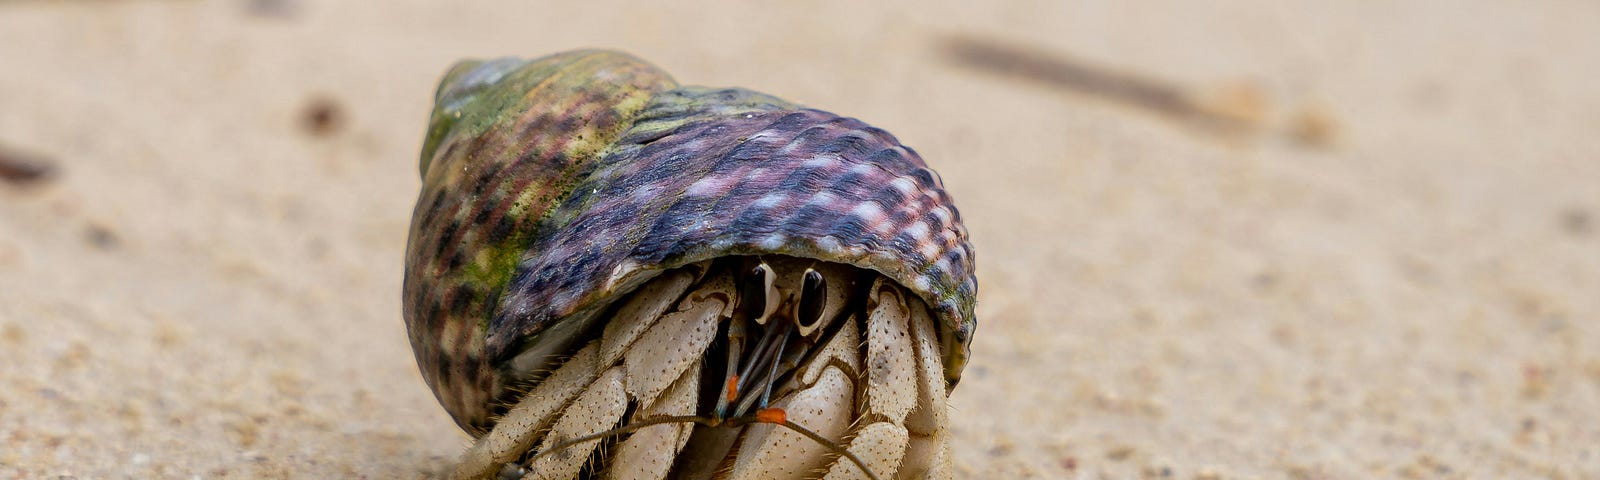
599 408
648 454
882 445
927 424
891 361
777 416
519 428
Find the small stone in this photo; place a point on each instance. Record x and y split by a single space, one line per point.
1577 221
23 169
1119 453
322 116
1315 126
101 237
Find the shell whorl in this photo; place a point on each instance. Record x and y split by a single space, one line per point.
689 175
503 145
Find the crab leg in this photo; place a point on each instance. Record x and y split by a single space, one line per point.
891 361
641 310
891 385
649 453
517 430
522 426
882 445
927 425
822 404
596 410
678 340
872 376
666 350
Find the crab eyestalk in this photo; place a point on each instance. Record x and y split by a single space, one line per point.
613 275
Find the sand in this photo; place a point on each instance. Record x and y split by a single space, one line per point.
1330 240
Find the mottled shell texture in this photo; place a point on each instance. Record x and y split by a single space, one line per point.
552 187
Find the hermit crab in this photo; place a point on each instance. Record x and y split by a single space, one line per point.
610 275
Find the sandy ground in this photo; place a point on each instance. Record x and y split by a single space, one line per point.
1385 264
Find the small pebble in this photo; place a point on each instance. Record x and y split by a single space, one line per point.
322 116
22 169
1119 453
1577 222
101 237
1315 126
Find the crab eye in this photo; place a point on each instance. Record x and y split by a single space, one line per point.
755 298
808 313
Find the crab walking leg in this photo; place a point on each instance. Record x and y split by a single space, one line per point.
880 445
928 424
598 409
823 405
518 428
891 358
677 341
639 311
517 431
648 454
891 385
842 351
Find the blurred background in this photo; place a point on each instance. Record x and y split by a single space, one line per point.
1239 239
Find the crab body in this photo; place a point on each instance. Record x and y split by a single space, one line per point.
596 246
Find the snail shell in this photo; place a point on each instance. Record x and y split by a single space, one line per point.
554 187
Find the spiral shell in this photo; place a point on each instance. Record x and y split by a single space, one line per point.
552 187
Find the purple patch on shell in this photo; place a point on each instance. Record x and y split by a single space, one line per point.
804 183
